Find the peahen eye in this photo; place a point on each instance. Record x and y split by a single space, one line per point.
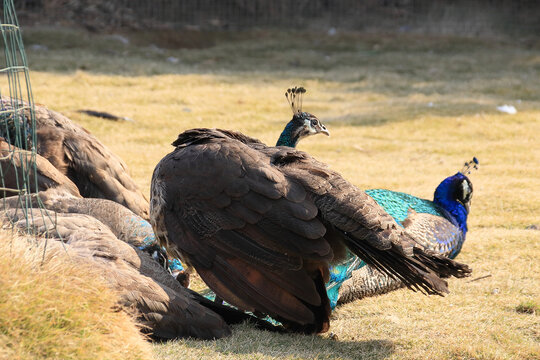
314 122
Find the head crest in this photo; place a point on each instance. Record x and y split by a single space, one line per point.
294 97
469 166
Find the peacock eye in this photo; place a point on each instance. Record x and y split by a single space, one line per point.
467 190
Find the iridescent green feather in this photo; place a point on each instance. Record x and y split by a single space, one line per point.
397 204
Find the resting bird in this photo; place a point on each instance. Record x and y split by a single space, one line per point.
124 223
16 170
165 308
439 225
95 170
262 224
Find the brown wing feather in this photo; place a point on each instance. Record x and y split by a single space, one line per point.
246 231
433 232
15 164
366 228
95 170
124 223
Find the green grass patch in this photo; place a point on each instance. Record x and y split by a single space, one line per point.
528 307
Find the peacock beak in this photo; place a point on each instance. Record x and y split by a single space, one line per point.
466 205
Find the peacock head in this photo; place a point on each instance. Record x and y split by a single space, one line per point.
303 124
457 188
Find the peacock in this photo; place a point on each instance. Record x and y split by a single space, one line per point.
439 225
261 225
77 154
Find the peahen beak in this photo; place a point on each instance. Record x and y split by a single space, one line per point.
322 129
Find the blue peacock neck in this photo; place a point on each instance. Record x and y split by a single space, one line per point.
445 197
289 136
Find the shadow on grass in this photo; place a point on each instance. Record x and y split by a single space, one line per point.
247 341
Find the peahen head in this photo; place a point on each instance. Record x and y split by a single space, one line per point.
303 124
15 126
454 194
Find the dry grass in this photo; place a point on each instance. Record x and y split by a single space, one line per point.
403 112
58 310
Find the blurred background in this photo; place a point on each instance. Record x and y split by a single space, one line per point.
442 17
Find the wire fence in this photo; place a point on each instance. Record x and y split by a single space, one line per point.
18 171
458 17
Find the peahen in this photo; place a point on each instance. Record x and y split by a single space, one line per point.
439 225
77 154
302 125
124 223
166 309
262 224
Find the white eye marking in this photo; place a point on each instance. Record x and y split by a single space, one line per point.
466 188
309 127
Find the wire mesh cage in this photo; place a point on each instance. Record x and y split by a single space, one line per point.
18 170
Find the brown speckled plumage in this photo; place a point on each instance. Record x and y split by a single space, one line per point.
365 282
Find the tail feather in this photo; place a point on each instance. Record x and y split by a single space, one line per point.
423 271
444 266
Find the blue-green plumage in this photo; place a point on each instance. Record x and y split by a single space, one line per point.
397 204
439 225
339 274
288 137
143 229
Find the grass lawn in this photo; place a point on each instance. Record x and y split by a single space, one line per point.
404 112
